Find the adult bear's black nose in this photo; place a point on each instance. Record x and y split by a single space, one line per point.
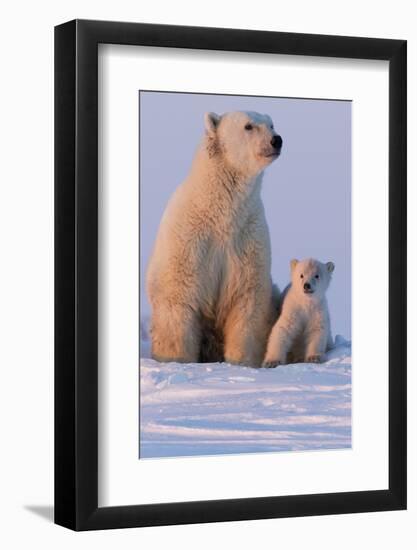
276 142
307 286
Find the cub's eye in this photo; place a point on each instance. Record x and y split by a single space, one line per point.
302 276
248 126
317 277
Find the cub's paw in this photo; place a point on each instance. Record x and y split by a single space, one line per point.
316 358
271 364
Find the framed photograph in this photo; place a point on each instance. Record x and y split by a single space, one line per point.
230 254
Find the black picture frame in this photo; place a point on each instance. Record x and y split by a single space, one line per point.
76 273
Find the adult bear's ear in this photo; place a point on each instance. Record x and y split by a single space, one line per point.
330 267
211 120
293 263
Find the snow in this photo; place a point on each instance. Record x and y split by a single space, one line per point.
218 408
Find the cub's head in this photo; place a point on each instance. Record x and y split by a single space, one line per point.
247 140
310 277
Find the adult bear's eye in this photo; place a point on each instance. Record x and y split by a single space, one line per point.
248 126
317 277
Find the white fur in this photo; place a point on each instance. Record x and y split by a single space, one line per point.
302 332
208 279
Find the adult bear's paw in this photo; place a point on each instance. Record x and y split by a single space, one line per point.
271 364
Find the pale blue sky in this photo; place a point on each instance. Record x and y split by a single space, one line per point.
306 192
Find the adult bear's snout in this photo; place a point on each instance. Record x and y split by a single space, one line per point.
276 142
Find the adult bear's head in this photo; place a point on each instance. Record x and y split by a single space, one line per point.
246 140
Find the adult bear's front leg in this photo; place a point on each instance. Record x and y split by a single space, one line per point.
175 334
246 333
249 298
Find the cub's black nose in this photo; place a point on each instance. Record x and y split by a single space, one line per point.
307 286
276 142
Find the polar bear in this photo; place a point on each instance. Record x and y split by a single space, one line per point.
208 279
302 332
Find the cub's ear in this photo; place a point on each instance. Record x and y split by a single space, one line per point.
330 267
211 121
293 263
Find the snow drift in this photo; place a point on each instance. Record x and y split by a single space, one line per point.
218 408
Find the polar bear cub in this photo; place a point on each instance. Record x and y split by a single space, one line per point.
302 332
